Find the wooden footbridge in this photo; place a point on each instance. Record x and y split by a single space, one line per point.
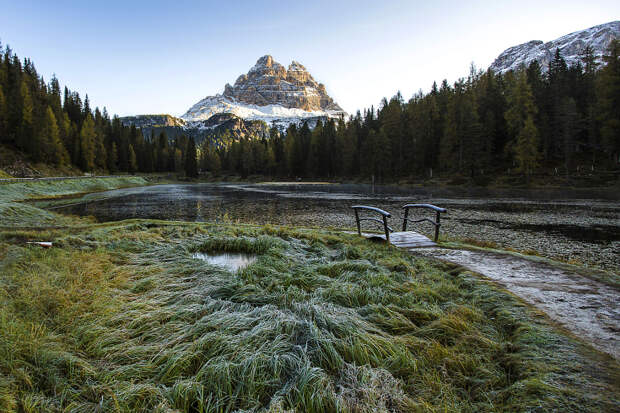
403 239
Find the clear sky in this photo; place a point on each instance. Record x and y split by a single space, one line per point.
137 57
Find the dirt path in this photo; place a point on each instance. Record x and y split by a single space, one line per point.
589 309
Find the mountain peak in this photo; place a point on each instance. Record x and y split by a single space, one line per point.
269 91
571 47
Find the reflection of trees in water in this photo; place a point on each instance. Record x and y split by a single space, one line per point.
223 204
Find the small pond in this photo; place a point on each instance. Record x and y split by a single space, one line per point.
231 262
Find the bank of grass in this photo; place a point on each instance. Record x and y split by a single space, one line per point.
120 317
13 212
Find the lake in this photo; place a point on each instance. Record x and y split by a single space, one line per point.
577 224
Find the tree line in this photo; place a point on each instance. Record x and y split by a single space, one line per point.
59 128
521 122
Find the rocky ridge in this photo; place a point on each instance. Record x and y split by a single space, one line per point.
571 47
271 93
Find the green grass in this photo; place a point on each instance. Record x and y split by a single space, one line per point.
16 213
120 317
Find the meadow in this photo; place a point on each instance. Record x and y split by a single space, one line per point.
119 316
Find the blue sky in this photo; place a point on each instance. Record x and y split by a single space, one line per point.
138 57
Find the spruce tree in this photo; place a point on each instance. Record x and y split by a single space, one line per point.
87 144
609 102
3 117
113 158
191 166
133 162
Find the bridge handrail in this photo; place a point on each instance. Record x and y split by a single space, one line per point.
436 223
385 216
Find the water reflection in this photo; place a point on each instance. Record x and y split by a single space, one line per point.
330 205
232 262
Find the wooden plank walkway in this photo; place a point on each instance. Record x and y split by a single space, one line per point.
406 240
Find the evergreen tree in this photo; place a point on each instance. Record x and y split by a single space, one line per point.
87 144
113 158
133 161
3 116
609 102
191 166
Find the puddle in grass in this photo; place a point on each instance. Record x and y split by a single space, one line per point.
232 262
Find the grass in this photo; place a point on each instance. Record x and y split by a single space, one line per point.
122 318
119 317
17 213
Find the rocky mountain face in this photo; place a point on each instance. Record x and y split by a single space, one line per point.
222 125
268 95
571 47
271 93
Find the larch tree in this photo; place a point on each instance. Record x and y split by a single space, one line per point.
55 151
520 120
26 134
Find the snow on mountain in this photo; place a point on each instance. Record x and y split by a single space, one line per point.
270 93
571 46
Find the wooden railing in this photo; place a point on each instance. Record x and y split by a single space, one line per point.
436 223
385 215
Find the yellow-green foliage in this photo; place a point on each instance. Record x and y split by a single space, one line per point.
4 174
120 317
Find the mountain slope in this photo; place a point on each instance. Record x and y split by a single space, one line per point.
571 46
270 93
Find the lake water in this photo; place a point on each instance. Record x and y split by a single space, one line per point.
292 204
567 224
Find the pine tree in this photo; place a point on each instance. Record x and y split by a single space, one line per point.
609 102
133 162
191 166
113 158
3 117
87 144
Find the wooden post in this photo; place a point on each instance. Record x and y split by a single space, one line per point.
437 225
405 219
387 230
357 221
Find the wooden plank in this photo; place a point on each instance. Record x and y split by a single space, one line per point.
405 240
